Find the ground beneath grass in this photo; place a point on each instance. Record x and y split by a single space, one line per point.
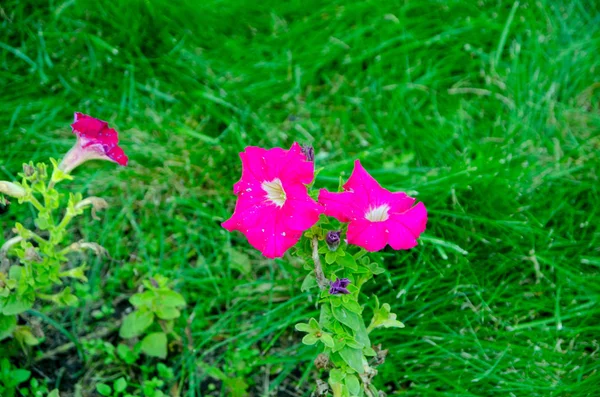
487 111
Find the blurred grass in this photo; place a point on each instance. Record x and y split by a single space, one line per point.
488 111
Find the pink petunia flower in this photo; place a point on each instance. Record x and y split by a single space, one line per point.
273 207
376 216
95 141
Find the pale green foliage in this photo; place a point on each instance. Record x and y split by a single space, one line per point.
36 266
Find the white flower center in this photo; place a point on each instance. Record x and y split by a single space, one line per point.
275 192
378 214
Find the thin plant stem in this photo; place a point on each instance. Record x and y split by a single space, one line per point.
319 275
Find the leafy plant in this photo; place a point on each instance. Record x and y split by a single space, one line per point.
156 309
276 211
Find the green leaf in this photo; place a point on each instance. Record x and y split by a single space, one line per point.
338 344
352 384
309 282
7 326
369 352
375 268
54 393
327 340
24 336
19 376
16 305
353 306
354 358
145 298
336 376
103 389
167 312
303 327
362 334
120 385
309 339
126 354
314 324
171 298
330 257
135 323
155 345
346 317
348 262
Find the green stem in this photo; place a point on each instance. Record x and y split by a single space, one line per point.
319 275
36 203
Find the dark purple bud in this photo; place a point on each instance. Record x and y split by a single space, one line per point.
339 286
333 239
309 152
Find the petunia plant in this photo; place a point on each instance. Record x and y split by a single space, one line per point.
36 263
338 235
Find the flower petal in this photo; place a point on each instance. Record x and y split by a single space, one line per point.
338 205
372 236
296 168
405 229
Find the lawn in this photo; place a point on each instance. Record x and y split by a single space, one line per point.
486 111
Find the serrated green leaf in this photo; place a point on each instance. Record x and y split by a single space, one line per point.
353 358
155 345
135 323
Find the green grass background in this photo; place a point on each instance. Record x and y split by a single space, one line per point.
487 111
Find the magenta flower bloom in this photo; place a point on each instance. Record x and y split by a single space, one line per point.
273 207
376 216
95 141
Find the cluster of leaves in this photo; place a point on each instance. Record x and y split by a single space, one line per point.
156 309
33 266
12 378
124 387
350 356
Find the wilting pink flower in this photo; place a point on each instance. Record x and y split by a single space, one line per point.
95 141
273 207
376 216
